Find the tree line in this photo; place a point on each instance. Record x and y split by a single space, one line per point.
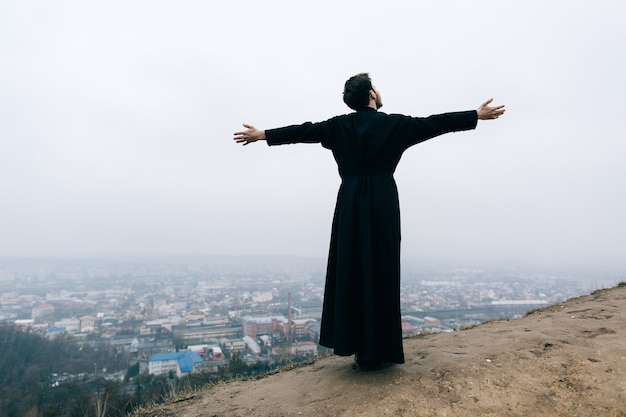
61 377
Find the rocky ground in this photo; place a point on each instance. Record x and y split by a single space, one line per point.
564 360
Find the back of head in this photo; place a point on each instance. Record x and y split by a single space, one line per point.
356 91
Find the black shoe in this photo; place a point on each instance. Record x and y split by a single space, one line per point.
365 365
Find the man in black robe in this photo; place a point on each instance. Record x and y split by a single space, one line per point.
361 312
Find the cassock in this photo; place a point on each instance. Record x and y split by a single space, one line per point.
361 311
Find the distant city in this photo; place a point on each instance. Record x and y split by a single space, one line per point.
186 314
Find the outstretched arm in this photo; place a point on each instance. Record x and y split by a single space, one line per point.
486 113
251 134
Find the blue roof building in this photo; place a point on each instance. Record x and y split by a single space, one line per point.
180 363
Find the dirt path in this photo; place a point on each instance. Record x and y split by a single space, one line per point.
564 360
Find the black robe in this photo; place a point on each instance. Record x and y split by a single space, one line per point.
361 312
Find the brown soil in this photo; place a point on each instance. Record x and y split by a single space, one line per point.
564 360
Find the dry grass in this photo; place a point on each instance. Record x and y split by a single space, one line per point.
154 409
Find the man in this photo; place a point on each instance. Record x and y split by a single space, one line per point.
361 312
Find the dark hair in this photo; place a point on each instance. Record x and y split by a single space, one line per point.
356 91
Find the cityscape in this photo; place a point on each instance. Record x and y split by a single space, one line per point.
196 314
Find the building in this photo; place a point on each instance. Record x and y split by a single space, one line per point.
234 345
179 363
201 350
201 333
215 321
408 329
252 345
416 321
299 328
216 354
311 309
25 323
262 297
54 331
255 326
431 322
304 349
265 340
313 331
71 325
42 310
87 324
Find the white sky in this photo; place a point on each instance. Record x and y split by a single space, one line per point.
116 122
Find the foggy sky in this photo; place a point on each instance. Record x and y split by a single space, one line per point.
117 120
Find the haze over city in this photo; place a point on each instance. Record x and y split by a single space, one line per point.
117 123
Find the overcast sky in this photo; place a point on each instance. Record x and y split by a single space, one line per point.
117 120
